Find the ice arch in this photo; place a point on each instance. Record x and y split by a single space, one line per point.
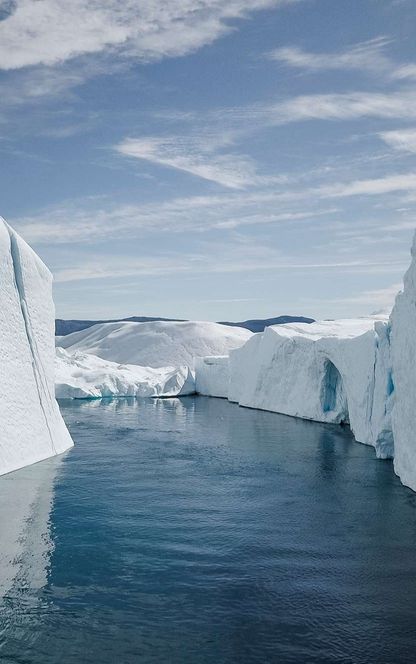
333 395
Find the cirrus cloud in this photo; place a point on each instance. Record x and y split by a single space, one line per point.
48 32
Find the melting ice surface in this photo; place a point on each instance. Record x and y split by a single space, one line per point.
194 531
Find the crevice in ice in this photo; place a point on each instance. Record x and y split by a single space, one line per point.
390 384
333 396
38 371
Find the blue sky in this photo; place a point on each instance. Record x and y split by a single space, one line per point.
211 160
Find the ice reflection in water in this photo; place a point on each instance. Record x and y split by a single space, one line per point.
26 545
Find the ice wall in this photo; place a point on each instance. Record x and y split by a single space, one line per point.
329 371
31 426
323 372
212 376
359 371
403 355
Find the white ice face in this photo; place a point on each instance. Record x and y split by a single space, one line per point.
31 428
328 371
403 353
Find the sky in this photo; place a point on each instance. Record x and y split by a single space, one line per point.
213 160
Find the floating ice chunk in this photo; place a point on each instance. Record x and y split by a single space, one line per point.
85 376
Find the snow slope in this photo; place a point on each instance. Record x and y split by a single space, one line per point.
81 375
31 426
328 371
155 344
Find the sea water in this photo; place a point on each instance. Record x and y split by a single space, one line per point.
194 531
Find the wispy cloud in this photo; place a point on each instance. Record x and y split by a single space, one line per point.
400 139
239 122
76 222
371 187
52 31
367 57
207 146
201 156
227 259
342 106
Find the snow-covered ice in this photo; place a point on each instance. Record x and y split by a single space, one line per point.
81 375
155 344
31 426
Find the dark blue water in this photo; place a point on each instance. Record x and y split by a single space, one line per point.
194 531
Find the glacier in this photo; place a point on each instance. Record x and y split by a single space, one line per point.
32 428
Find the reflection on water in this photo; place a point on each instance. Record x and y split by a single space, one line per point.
191 531
26 544
26 498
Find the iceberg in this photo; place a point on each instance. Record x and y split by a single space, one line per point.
328 371
84 376
155 344
403 359
32 428
212 376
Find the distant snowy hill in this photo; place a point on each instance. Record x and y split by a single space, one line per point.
157 343
64 327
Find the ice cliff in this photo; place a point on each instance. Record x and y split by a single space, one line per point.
329 371
31 426
403 358
361 372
